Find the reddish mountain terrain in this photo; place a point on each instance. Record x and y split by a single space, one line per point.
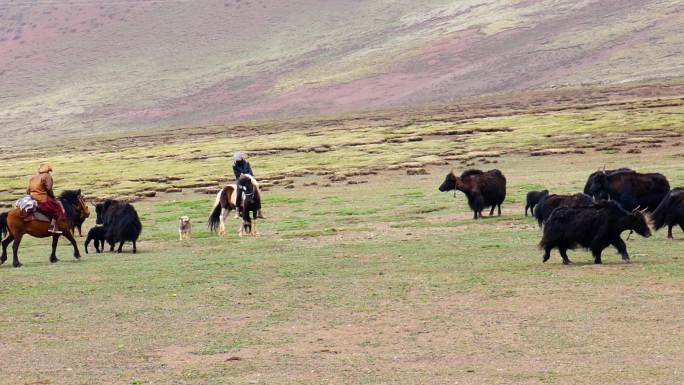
75 66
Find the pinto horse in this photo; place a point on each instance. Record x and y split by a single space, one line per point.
74 207
251 203
224 203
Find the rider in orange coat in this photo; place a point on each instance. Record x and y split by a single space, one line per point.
40 189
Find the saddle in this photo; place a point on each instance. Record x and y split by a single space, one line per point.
35 216
29 210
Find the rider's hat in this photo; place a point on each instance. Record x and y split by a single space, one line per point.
44 167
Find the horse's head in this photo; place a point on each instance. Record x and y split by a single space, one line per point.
74 205
83 206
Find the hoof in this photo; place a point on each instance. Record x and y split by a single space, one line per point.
77 256
18 264
54 260
566 262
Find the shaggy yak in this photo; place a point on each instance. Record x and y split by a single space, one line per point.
594 228
96 234
630 188
670 212
551 202
483 189
533 197
120 221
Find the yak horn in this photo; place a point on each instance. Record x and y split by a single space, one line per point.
636 209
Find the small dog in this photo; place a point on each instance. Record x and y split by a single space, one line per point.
96 234
184 228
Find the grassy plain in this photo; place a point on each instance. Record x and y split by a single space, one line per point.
384 280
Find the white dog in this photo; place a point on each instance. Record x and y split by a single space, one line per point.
184 228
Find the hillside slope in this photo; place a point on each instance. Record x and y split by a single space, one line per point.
75 66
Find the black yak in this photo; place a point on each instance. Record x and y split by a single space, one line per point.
483 189
670 212
120 221
551 202
97 235
595 228
630 188
533 197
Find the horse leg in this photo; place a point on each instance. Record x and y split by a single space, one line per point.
70 238
222 220
120 246
492 211
5 243
53 256
15 251
499 207
669 231
80 234
135 249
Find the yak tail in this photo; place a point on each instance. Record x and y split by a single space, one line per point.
215 215
659 216
3 226
87 242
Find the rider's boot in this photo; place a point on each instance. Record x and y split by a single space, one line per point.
53 227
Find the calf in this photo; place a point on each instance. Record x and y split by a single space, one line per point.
483 189
533 197
594 228
551 202
96 234
121 223
670 212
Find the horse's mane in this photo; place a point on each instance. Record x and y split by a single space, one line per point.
471 172
69 199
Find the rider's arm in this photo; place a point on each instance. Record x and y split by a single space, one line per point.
236 171
48 184
248 169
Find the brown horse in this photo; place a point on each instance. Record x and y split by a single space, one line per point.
74 207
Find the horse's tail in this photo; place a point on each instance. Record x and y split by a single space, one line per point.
3 225
215 215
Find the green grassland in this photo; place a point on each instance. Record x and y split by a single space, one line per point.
382 281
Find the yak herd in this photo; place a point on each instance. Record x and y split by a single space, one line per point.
613 201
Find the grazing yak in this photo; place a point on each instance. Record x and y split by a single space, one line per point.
551 202
120 221
595 228
97 235
630 188
483 189
533 197
670 212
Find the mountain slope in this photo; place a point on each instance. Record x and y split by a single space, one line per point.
86 66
